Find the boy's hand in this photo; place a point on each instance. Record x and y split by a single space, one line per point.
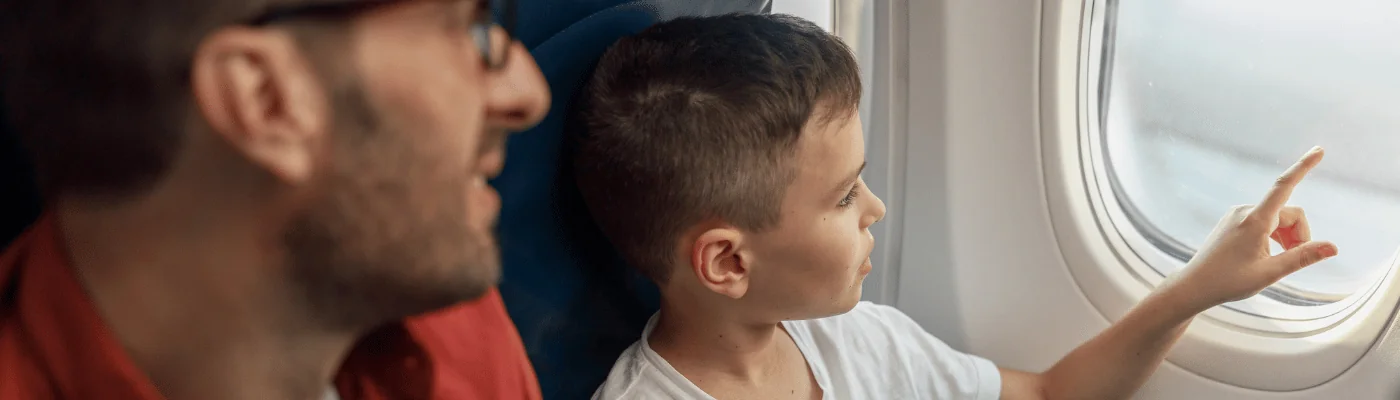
1235 263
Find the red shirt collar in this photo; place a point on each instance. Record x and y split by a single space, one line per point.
69 340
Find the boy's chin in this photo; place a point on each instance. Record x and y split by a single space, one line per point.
843 304
851 299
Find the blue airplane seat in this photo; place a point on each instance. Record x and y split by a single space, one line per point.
19 196
575 302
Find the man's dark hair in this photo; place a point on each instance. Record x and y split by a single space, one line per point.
99 90
698 118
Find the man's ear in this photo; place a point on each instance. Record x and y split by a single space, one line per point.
718 260
256 90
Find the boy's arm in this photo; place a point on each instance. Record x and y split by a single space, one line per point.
1233 265
1112 365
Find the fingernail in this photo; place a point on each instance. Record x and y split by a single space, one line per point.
1315 149
1327 251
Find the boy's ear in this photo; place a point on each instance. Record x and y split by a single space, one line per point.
716 260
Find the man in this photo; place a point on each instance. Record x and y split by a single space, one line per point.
722 157
262 199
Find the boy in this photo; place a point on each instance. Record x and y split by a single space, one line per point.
723 158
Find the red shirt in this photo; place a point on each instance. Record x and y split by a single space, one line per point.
54 345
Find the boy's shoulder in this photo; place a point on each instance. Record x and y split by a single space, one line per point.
872 351
640 373
624 374
877 351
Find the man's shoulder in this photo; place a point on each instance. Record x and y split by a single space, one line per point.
488 306
476 346
484 320
21 375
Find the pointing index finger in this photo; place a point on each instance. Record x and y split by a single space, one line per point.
1283 188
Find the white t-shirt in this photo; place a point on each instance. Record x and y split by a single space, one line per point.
872 352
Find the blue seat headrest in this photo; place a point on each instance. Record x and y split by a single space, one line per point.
575 302
19 196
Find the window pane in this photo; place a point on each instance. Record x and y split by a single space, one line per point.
855 24
1208 101
817 11
856 27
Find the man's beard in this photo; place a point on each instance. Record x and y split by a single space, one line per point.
384 237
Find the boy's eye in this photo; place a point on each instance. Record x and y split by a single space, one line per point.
850 196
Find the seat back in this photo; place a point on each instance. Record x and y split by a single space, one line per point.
576 304
19 197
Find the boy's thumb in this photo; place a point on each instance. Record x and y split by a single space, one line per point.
1304 255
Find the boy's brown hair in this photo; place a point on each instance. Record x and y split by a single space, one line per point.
696 119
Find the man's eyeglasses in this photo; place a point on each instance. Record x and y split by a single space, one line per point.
493 52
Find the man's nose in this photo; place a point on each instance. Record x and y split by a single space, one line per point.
518 97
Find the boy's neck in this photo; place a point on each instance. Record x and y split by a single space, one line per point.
705 342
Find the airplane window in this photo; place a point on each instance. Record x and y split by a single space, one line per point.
818 11
855 24
853 21
1203 103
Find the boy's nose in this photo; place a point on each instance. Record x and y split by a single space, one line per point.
877 212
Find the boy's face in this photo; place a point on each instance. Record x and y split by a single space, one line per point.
813 263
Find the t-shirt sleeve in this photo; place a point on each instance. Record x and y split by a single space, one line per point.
941 370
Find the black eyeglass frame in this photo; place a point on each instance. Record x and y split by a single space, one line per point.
507 8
